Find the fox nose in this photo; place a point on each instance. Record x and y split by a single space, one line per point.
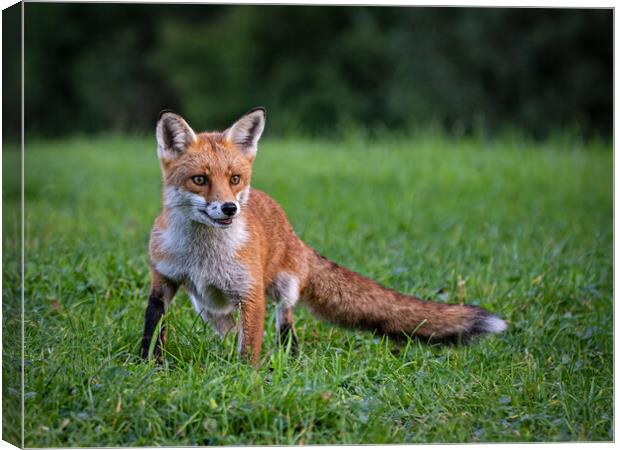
229 209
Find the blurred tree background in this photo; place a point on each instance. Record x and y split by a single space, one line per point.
100 67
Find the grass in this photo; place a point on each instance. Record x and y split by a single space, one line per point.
522 229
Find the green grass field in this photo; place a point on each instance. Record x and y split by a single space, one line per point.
522 229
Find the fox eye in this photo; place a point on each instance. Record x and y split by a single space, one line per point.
200 180
235 179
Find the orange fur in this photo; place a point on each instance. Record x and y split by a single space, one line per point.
237 265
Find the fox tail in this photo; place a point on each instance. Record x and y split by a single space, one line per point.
348 299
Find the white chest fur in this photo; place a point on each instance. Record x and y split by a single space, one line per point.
204 260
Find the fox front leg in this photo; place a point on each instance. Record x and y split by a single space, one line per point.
252 325
162 293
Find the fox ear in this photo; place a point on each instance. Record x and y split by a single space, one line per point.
246 131
174 135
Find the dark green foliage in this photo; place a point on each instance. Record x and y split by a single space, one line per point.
318 69
522 229
12 71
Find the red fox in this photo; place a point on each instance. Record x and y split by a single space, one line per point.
230 246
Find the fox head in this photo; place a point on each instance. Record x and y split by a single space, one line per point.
207 175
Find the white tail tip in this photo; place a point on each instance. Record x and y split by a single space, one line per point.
493 324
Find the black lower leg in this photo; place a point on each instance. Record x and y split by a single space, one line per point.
154 312
287 333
